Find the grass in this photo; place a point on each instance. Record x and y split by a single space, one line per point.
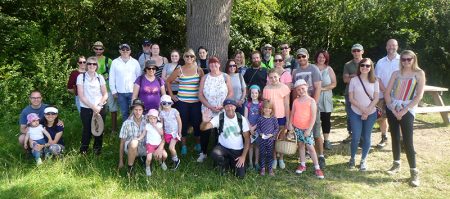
77 176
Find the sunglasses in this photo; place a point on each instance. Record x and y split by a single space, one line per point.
98 48
166 103
365 65
233 65
284 48
82 62
356 50
151 68
278 60
95 64
125 49
301 56
189 56
406 59
51 113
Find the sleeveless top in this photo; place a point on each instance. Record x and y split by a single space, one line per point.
326 97
302 115
403 92
253 112
159 70
188 87
215 91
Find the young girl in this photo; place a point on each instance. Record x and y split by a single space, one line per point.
251 112
267 128
154 142
303 117
170 118
35 135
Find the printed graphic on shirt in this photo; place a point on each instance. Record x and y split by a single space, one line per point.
307 76
230 130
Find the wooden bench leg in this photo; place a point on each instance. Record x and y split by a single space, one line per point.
439 102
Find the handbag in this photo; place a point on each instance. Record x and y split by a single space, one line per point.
379 113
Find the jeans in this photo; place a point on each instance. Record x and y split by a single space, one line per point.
361 128
77 103
348 107
406 124
124 100
223 156
86 119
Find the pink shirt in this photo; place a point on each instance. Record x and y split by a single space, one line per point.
276 96
285 78
360 96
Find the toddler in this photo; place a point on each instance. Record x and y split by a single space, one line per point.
35 137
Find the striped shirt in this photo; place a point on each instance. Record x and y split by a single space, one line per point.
404 88
188 87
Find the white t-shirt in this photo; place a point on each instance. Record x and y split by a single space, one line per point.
231 137
360 96
153 137
36 132
385 68
91 88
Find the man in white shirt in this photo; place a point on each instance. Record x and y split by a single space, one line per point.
383 71
233 139
124 71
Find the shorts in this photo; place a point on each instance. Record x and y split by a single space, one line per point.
140 149
301 137
317 128
36 142
168 137
151 148
281 121
111 103
382 105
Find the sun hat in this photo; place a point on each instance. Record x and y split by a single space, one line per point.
300 82
50 110
32 117
137 102
97 125
150 62
154 113
98 44
357 46
166 98
267 46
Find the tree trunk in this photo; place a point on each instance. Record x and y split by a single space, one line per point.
208 25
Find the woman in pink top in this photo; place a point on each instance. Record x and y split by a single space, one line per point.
278 94
285 76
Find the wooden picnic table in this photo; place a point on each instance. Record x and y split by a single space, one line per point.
439 106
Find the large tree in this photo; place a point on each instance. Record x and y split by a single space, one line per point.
208 25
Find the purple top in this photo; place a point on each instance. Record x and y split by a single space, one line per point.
253 112
149 92
265 126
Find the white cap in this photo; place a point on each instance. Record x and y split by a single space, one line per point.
50 110
300 82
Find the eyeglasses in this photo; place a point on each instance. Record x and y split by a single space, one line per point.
301 56
233 65
51 113
147 45
278 60
284 48
95 64
98 48
189 56
166 103
125 49
407 59
35 98
82 62
151 68
356 50
365 65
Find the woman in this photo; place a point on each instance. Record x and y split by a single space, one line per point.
238 85
278 94
239 58
187 100
326 95
170 67
56 146
160 60
203 59
148 87
93 95
215 87
403 93
285 76
363 95
72 83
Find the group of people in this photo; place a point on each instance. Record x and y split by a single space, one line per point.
245 108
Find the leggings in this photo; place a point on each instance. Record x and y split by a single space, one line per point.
325 117
190 114
406 125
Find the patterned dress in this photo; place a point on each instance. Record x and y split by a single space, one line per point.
215 91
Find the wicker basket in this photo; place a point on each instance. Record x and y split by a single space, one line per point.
286 146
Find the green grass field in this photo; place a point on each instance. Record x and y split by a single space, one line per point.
77 176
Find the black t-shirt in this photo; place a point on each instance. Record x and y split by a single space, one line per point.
53 131
256 76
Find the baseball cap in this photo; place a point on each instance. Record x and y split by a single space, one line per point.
357 46
229 101
50 110
149 63
302 51
124 46
98 44
300 82
146 42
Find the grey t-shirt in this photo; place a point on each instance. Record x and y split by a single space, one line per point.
310 74
237 82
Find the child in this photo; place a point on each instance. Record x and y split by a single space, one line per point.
170 118
35 135
303 116
267 129
252 110
154 142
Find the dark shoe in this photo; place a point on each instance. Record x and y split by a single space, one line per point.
176 164
394 169
383 142
322 163
348 139
327 144
130 171
351 164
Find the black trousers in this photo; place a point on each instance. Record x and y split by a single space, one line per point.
227 157
325 118
406 124
86 118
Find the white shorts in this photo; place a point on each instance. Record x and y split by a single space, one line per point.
111 103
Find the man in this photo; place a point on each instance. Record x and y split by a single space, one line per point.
233 140
124 71
350 69
35 106
146 52
267 59
288 59
256 74
103 69
311 74
383 70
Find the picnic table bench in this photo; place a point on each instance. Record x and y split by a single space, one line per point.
439 106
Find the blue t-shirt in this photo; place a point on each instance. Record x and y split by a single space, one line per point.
53 131
27 110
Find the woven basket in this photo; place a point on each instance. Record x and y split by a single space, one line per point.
286 146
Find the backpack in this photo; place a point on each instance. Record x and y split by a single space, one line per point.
249 104
222 120
84 78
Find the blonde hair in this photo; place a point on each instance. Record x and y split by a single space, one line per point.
267 104
92 59
189 51
415 65
240 52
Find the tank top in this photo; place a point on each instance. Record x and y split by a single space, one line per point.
253 112
302 115
188 87
404 91
326 97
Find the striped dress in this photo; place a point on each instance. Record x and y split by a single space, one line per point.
403 92
188 87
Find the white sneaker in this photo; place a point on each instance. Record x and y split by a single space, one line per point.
282 164
163 166
274 164
148 171
201 158
39 161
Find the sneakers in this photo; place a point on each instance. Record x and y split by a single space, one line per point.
348 139
39 161
274 164
262 172
201 157
300 169
164 166
197 147
327 144
414 180
148 171
383 142
394 169
363 166
322 163
176 164
257 167
351 164
183 150
319 174
281 164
